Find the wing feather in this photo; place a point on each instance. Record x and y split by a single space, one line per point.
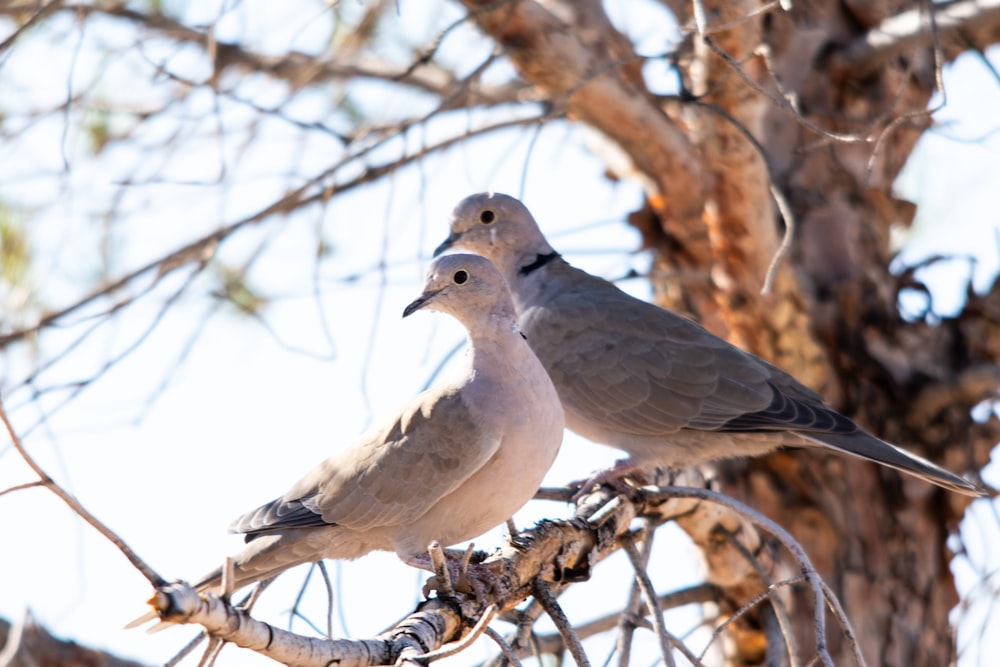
636 367
392 475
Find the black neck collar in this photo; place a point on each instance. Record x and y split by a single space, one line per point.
540 261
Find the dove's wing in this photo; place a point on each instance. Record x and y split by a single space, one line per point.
637 367
393 475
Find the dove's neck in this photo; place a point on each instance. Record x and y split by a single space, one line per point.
540 260
531 274
499 328
521 254
498 354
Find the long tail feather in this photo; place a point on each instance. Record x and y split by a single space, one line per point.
867 446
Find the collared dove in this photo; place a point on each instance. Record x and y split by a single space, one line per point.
457 460
646 380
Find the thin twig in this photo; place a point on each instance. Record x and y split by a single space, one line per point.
212 651
646 586
555 612
39 14
781 102
840 615
228 577
781 614
780 534
329 597
779 197
626 623
312 192
467 558
767 593
926 9
505 648
748 16
155 579
22 487
464 643
528 644
786 239
186 649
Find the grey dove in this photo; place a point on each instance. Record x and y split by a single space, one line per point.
457 460
646 380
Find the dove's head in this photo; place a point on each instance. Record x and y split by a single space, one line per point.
496 226
466 287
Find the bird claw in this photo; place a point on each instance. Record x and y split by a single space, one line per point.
615 477
476 579
455 571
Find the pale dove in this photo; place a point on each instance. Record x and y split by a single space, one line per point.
457 460
648 381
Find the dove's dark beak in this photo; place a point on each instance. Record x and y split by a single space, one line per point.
419 303
448 243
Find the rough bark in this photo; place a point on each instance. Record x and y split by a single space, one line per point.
540 562
834 110
28 644
554 552
878 539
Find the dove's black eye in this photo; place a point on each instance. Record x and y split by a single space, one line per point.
461 277
487 216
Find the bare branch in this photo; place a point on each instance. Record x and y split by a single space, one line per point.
506 649
906 31
553 553
782 102
27 642
74 504
297 68
552 643
39 14
779 533
558 616
314 191
465 642
766 594
21 487
594 82
974 384
649 593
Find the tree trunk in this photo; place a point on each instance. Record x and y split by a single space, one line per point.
809 101
832 320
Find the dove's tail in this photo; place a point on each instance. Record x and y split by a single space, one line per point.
867 446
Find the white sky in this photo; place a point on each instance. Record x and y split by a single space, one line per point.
246 411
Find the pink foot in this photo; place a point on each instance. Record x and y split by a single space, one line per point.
613 477
464 575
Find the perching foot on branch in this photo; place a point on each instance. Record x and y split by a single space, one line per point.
455 570
624 477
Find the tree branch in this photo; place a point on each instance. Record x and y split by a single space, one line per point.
28 643
315 190
909 30
295 67
139 564
590 69
551 555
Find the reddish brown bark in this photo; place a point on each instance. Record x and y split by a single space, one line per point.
836 119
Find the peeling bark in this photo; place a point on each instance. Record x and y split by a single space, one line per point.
834 95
